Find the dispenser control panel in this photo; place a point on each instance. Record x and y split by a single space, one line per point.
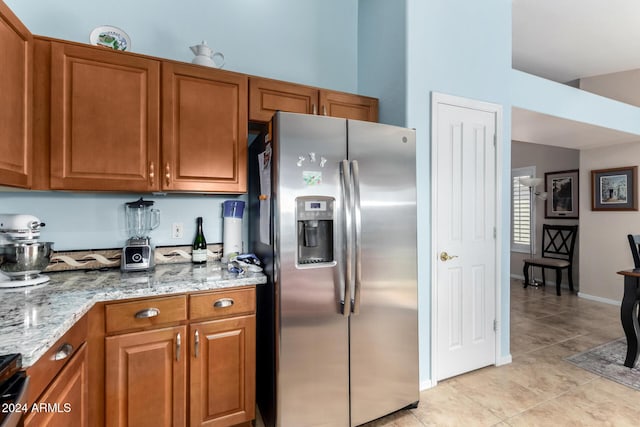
318 209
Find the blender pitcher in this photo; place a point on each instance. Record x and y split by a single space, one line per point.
141 218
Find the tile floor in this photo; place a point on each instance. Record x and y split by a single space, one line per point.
539 388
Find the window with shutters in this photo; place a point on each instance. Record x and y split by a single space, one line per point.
522 211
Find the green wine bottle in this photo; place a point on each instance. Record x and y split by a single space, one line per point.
199 247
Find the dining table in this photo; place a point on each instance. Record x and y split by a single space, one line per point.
629 315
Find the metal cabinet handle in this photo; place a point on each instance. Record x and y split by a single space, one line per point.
314 109
446 257
223 302
152 173
167 174
147 313
324 110
178 346
196 344
63 352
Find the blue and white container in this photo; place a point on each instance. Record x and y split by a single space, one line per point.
232 227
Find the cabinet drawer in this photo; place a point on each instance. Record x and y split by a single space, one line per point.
47 367
222 303
145 313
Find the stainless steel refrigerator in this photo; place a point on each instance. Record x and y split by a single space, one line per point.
333 216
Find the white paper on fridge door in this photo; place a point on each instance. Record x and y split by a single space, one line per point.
264 166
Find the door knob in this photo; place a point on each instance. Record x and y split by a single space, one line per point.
446 257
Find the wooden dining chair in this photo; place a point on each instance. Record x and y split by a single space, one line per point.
634 243
558 244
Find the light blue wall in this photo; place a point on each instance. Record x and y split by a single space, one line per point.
382 56
463 48
90 221
305 41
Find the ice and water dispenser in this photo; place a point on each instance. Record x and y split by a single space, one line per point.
314 217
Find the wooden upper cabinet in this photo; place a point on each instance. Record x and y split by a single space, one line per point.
204 127
267 96
105 120
16 57
348 106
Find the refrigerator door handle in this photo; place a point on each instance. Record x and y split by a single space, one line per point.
357 219
345 285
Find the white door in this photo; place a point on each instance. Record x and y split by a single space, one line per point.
464 234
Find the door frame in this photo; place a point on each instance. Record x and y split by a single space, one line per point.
496 109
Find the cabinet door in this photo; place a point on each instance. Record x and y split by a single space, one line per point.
65 402
145 378
16 57
204 129
223 372
348 106
268 96
105 119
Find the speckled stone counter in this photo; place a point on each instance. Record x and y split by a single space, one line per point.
33 318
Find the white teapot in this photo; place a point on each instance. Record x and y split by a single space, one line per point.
205 55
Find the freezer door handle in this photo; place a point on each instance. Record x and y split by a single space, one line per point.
357 219
345 285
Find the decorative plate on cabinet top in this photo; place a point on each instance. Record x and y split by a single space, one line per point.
111 37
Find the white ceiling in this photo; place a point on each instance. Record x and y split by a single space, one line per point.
563 40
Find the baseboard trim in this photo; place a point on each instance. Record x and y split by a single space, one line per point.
549 282
425 385
599 299
504 360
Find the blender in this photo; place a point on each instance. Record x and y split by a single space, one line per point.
140 218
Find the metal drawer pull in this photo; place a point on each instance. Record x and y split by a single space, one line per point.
147 313
178 346
63 352
196 345
223 302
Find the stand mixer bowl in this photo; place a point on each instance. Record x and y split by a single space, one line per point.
24 260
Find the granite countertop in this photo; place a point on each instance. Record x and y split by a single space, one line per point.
33 318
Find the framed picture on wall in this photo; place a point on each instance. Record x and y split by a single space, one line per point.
562 194
614 189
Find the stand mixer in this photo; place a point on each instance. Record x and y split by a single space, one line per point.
138 255
22 255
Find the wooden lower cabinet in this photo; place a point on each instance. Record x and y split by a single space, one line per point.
65 402
222 371
145 384
178 369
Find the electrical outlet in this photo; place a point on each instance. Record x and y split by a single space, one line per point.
176 230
